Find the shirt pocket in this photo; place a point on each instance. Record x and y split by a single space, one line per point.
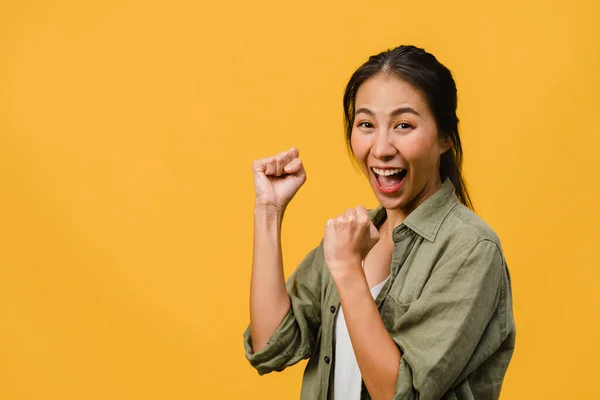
392 311
404 291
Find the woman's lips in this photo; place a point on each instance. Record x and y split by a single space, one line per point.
389 184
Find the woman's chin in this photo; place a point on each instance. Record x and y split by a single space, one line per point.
390 202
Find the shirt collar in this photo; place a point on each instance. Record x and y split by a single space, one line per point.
427 218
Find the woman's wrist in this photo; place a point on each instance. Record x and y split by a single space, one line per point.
347 270
268 212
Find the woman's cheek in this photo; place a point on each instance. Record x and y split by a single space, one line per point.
360 148
414 148
359 143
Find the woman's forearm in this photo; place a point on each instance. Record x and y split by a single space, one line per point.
377 355
269 301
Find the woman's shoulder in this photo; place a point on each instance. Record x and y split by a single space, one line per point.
463 224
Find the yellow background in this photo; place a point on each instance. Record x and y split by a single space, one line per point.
127 130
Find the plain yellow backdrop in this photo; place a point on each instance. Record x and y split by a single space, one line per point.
127 131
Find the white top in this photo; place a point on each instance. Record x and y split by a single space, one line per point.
347 377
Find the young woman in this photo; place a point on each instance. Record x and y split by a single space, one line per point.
411 300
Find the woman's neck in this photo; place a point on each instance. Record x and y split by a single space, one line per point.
392 220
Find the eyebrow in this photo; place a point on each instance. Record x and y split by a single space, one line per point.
394 113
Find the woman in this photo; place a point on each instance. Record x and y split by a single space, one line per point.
409 301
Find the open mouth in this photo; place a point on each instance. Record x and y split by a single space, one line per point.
389 180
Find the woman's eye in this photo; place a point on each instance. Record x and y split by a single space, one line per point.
365 125
404 125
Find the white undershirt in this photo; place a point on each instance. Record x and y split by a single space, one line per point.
347 377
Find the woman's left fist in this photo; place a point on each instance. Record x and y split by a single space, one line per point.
348 239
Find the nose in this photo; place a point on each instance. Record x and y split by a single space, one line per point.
382 147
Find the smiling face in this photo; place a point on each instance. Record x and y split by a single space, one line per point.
396 142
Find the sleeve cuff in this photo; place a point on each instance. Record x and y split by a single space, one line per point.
273 356
404 383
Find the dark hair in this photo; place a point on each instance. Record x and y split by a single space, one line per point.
424 72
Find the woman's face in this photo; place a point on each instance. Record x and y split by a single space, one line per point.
396 142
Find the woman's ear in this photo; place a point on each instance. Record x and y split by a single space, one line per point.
445 143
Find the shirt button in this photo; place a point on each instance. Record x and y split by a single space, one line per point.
332 309
327 360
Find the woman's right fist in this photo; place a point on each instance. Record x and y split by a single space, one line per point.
278 178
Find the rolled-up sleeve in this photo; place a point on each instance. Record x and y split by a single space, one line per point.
440 331
295 338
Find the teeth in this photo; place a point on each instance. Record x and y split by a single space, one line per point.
386 172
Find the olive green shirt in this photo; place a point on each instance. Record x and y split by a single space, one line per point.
447 306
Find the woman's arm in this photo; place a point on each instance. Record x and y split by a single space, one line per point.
276 181
269 301
377 355
348 239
